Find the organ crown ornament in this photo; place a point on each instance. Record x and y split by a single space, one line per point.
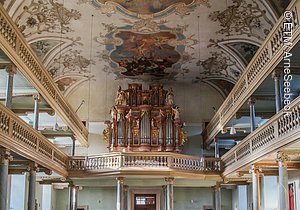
145 120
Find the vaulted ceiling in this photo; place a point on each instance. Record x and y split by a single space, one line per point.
186 41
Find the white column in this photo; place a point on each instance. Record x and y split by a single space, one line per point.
255 187
170 194
36 113
276 75
217 197
73 197
252 114
5 157
283 181
120 193
217 151
165 197
33 169
125 201
11 71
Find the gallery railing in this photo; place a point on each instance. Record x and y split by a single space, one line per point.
281 130
19 137
269 55
159 161
13 43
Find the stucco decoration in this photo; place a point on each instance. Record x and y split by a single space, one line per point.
46 16
70 62
219 64
138 52
245 50
146 9
242 18
167 39
43 47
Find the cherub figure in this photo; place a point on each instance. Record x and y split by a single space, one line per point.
129 115
176 112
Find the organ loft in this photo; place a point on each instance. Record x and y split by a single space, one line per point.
145 120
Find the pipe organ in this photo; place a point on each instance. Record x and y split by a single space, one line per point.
145 120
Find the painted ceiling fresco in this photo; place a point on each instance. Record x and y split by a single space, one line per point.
145 8
166 40
156 54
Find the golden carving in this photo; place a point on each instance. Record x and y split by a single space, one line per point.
106 135
184 136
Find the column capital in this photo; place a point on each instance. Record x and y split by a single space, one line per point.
10 69
217 187
282 159
36 97
125 188
255 169
169 180
276 74
5 156
75 187
33 168
251 101
120 179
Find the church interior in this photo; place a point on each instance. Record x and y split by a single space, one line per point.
149 105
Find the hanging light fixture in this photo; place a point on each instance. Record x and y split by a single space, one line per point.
232 131
56 126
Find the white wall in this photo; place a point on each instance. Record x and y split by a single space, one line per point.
47 196
270 192
240 198
195 100
18 191
104 198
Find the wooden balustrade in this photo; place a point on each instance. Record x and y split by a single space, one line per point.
263 63
13 43
148 161
281 130
18 136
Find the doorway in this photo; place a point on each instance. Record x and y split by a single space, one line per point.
144 201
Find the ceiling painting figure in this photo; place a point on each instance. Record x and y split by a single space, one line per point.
153 55
146 8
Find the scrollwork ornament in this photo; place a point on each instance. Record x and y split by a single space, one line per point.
108 9
182 10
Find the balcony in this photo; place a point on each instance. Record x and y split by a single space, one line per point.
280 131
262 64
19 137
152 163
14 45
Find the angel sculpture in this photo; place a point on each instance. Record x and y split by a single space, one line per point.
121 97
170 97
176 112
